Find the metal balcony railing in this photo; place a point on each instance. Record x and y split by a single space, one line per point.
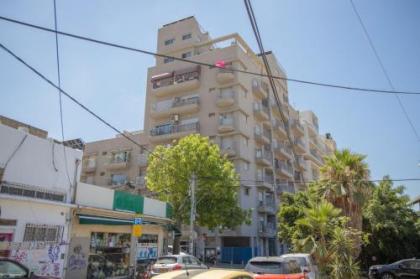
188 101
176 128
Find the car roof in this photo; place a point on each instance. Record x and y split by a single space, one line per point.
203 274
263 259
295 255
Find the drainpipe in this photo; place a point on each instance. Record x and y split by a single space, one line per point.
74 192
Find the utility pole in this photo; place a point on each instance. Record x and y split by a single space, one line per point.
192 213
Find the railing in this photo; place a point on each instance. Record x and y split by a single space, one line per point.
277 124
187 101
300 142
171 129
296 124
285 167
117 160
226 95
176 79
315 154
263 154
226 121
258 107
259 84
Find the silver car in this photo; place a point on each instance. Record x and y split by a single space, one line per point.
176 262
306 262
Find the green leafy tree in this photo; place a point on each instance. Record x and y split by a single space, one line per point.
169 175
391 224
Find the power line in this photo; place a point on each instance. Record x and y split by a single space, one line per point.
74 99
385 72
257 34
59 95
315 83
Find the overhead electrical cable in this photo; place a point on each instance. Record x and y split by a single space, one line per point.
115 45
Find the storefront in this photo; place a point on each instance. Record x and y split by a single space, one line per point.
102 245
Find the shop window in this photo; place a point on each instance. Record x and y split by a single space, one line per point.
147 247
118 179
46 233
109 255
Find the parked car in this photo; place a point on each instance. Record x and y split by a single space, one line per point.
205 274
176 262
306 263
409 268
275 268
12 269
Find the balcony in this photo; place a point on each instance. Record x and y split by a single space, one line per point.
226 124
301 164
142 160
225 76
261 112
300 146
117 164
172 82
179 106
279 129
225 99
314 143
285 187
228 148
173 131
89 165
282 151
314 156
266 182
260 88
260 137
284 169
263 157
297 128
267 230
267 207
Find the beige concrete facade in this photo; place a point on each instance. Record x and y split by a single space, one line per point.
239 113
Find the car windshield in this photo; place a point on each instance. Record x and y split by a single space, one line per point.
166 260
301 261
271 266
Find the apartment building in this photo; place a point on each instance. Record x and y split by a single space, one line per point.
239 113
117 162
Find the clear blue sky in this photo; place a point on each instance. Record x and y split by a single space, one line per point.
313 40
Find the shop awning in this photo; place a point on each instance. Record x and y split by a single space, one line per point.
101 220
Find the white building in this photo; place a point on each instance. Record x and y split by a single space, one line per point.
37 178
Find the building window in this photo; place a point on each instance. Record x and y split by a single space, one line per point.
246 166
118 179
168 60
120 157
186 54
169 42
31 192
246 191
186 36
34 232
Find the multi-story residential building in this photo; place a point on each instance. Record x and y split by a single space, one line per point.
238 112
117 162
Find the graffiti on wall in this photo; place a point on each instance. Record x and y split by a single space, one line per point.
77 260
44 259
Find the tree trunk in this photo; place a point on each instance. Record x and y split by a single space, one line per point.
176 249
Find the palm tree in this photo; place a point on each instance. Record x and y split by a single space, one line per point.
315 231
344 182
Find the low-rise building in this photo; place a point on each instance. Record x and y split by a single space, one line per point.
37 186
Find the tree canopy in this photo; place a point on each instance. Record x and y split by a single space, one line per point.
392 226
169 175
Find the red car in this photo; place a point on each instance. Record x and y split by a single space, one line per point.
281 276
276 268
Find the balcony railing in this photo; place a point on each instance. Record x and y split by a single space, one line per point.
175 77
260 88
175 128
262 154
187 101
315 153
285 167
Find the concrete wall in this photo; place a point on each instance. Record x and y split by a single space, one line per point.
94 196
38 162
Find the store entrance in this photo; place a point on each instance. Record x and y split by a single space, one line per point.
109 255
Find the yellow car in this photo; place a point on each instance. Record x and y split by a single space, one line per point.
205 274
